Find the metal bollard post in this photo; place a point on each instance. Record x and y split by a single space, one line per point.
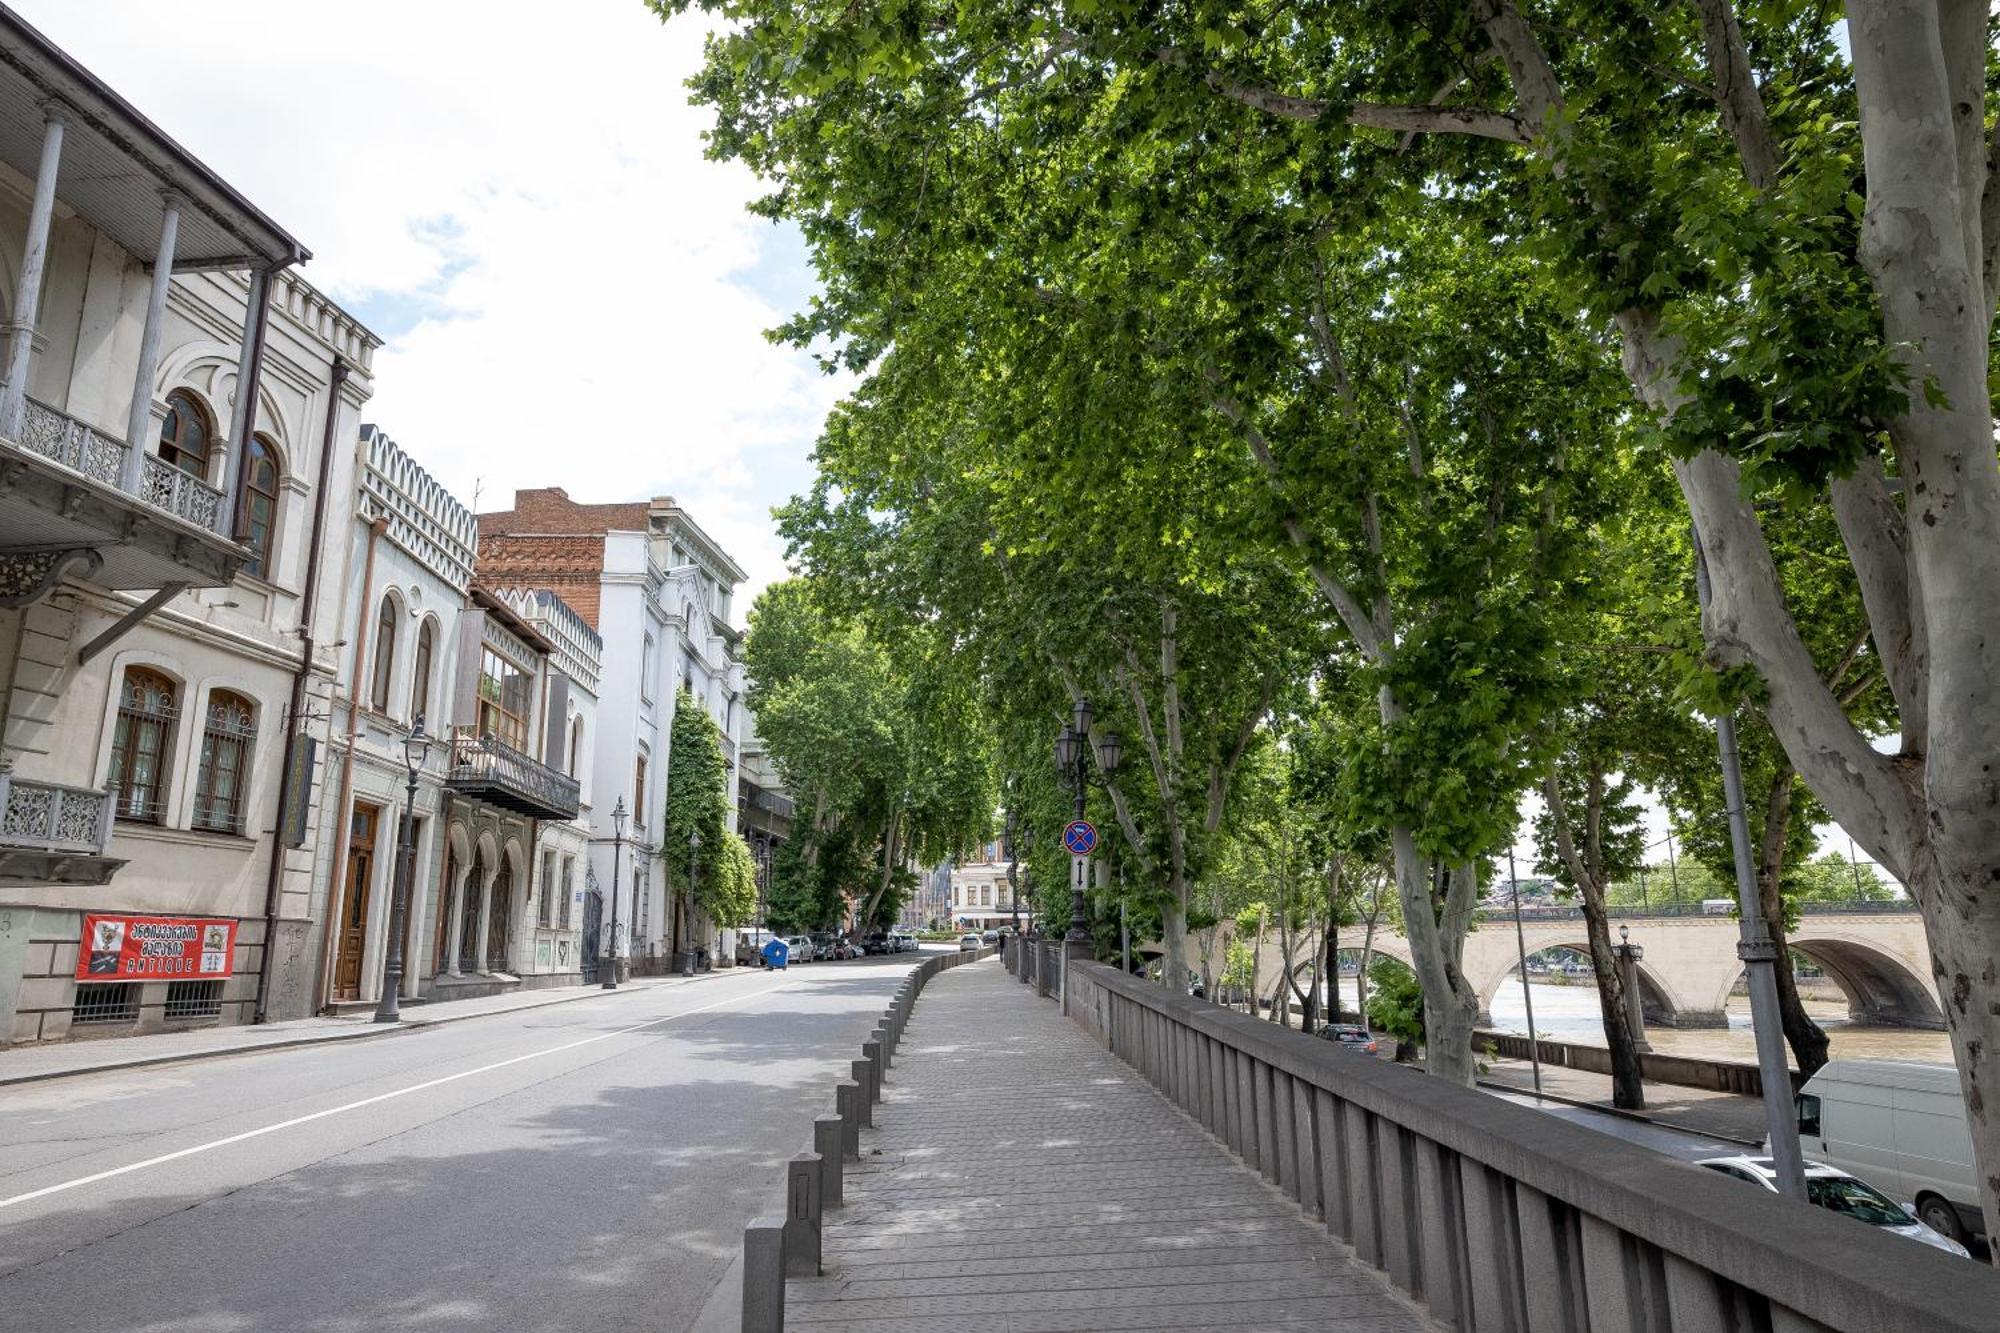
764 1275
830 1142
802 1216
862 1072
847 1100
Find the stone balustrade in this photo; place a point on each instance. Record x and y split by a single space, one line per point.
1501 1217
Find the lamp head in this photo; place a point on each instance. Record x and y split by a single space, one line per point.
416 746
1110 751
694 838
1625 935
618 817
1067 749
1080 717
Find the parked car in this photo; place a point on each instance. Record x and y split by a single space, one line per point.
1838 1192
1901 1127
847 947
878 942
802 948
989 937
1350 1037
968 944
903 940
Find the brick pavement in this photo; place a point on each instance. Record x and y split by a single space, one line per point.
1020 1179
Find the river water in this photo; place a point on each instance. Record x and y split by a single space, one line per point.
1571 1013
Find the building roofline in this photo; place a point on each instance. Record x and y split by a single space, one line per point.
681 517
91 98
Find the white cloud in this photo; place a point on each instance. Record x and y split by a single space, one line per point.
514 192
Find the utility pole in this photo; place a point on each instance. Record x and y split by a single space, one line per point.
1521 952
1757 949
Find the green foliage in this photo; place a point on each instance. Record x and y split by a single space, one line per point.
1396 1003
711 876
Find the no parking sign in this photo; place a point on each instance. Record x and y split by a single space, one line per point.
1080 837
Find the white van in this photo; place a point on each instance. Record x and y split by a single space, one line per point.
1901 1127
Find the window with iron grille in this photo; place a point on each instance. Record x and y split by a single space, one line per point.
227 734
117 1002
142 744
545 905
568 891
194 999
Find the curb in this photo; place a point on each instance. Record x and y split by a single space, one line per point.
364 1032
1602 1109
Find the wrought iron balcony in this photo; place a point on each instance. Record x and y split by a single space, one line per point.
64 506
485 769
757 798
53 834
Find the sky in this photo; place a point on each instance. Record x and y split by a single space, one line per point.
514 197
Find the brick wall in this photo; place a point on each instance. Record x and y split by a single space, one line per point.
570 567
550 510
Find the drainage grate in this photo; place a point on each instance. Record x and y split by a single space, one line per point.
114 1003
194 999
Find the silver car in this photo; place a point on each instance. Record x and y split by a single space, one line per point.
1838 1192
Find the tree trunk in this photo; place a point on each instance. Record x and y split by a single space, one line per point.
1586 868
1806 1038
1330 966
1436 931
1361 972
1173 940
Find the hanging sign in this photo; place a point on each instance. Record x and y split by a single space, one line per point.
1080 837
154 946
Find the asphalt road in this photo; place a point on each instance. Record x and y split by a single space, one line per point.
579 1165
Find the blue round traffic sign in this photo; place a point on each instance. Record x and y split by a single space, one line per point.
1080 837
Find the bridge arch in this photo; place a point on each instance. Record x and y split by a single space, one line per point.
1662 1005
1881 986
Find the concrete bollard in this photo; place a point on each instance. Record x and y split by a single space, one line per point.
863 1074
847 1100
764 1275
802 1216
871 1051
880 1036
830 1142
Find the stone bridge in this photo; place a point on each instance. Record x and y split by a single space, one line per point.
1875 952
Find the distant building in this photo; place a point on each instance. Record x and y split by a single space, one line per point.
659 592
764 809
981 898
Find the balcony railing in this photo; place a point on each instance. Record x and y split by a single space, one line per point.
756 798
84 449
50 817
486 769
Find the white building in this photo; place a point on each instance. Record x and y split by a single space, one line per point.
171 391
659 591
981 898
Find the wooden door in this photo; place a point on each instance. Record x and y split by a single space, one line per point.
359 879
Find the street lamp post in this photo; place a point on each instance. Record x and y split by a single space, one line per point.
1527 995
416 748
609 964
687 917
1013 868
1073 748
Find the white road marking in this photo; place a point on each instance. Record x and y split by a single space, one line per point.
92 1179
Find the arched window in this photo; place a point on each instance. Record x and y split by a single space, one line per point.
576 747
142 745
187 435
420 673
229 729
257 508
385 655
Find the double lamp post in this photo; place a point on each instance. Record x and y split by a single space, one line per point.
416 749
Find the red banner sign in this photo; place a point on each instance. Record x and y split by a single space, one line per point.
154 946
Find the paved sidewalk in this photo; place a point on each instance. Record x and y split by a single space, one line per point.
1722 1115
29 1064
1020 1179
